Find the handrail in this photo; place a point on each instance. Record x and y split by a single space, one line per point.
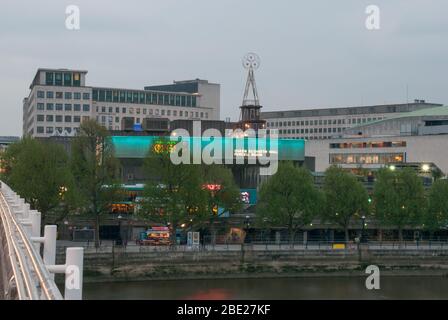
33 280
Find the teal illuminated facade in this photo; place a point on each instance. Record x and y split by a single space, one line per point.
138 147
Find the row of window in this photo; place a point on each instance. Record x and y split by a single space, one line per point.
63 95
63 79
51 130
59 118
321 122
366 158
370 144
310 130
157 112
140 97
61 107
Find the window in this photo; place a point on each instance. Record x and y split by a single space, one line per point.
40 129
58 95
67 79
122 96
123 110
76 79
50 106
109 95
101 95
77 119
49 80
40 106
59 118
68 107
128 96
59 129
50 94
77 107
77 95
117 109
58 106
68 118
85 107
68 129
117 119
168 112
163 112
68 95
49 130
40 117
366 158
58 79
110 110
86 95
49 118
40 94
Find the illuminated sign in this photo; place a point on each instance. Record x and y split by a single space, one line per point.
248 196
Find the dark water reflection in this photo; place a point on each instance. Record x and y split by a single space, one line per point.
278 288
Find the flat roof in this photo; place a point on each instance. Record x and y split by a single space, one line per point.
384 108
441 111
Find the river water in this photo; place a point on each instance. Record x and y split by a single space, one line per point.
273 288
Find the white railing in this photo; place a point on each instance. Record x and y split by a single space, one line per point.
33 275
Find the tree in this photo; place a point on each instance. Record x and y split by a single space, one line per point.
399 198
95 168
345 197
289 199
437 214
38 171
222 192
173 194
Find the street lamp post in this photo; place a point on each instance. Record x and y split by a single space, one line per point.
363 235
119 240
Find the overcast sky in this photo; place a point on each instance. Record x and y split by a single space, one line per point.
313 53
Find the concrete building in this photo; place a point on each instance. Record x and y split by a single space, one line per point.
60 100
419 138
318 124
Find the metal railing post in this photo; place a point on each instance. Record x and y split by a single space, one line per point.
74 262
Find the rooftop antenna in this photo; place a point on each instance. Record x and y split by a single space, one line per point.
251 62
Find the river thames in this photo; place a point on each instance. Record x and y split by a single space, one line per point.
272 288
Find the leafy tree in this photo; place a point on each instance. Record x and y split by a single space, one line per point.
222 192
399 198
289 199
173 193
345 197
95 168
437 214
39 172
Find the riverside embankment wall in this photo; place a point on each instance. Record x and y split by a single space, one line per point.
120 265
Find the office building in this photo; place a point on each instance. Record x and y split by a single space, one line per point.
318 124
59 100
418 138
